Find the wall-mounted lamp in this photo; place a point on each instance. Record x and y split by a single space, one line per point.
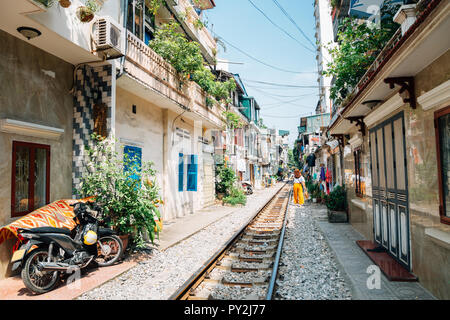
28 32
371 103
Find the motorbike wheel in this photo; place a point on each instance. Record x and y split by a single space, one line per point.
110 251
35 280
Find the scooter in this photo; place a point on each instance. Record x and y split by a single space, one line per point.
247 186
48 252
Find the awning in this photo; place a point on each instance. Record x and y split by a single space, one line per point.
58 214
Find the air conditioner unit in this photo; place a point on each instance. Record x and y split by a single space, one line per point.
109 37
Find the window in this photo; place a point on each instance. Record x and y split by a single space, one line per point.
191 172
180 172
359 180
442 129
134 160
30 186
192 169
140 20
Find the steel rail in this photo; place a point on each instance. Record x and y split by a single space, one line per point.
273 278
183 291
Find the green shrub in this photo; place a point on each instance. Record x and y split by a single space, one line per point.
237 196
186 57
225 178
337 199
128 193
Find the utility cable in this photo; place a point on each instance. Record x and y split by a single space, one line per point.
256 59
277 26
293 22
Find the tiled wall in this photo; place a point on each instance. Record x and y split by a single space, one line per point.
92 86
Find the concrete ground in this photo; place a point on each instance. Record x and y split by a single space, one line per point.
173 232
354 263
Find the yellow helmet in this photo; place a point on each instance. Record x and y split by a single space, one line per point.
90 237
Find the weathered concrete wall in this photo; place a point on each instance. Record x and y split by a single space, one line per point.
430 257
143 128
35 88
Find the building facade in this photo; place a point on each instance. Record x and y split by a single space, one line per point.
394 133
63 84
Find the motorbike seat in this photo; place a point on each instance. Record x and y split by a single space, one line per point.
47 230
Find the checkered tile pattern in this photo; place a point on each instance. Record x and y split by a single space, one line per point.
92 86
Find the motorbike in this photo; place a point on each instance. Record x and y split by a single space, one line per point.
46 253
247 186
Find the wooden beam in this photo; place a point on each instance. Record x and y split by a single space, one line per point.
406 84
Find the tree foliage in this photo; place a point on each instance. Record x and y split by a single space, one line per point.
186 57
128 193
359 45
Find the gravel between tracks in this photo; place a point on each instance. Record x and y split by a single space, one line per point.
308 271
158 277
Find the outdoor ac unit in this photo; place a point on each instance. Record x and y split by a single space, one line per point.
109 37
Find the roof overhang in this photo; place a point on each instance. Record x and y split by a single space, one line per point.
426 41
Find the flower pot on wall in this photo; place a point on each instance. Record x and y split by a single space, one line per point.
85 14
65 3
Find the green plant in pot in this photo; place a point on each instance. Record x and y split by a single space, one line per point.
87 12
225 178
126 190
336 200
237 196
336 203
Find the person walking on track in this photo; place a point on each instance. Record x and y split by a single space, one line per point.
299 187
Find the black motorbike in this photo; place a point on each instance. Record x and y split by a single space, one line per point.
46 252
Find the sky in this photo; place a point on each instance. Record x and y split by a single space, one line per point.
242 26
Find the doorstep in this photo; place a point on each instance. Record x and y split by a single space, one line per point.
393 270
13 288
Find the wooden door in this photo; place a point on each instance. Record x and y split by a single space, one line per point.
389 188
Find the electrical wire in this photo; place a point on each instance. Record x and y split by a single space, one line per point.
277 26
293 22
256 59
280 84
279 95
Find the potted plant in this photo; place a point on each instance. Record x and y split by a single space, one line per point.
336 203
87 12
126 189
65 3
225 178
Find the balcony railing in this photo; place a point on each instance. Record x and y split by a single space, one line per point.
146 66
202 34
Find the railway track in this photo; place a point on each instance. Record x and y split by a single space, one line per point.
246 266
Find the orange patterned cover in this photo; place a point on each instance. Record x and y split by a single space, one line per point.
58 214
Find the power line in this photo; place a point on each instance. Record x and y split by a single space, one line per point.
284 31
279 84
293 21
256 59
280 95
283 117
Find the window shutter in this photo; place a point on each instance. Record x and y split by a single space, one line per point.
192 170
180 171
135 155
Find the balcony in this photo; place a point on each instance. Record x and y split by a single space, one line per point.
149 69
201 35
